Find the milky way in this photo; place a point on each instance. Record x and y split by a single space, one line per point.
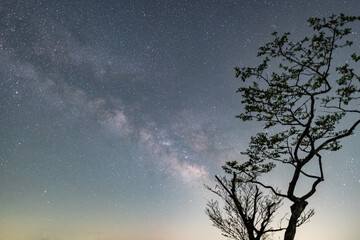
113 114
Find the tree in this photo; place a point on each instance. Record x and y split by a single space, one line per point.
306 106
248 212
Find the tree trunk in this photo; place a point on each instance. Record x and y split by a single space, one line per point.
250 231
296 209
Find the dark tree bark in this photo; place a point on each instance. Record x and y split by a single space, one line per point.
296 210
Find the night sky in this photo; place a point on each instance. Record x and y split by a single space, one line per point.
114 114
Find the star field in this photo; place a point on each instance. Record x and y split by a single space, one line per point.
113 114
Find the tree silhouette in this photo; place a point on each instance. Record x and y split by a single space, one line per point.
306 106
248 213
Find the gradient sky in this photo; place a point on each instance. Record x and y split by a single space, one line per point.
113 114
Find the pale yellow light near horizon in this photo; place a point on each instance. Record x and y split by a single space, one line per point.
35 230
